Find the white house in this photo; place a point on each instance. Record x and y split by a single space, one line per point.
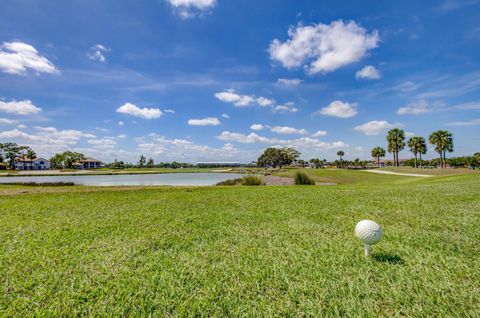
31 164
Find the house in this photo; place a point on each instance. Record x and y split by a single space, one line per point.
31 164
88 163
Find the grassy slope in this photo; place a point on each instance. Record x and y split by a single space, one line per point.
435 172
343 176
263 251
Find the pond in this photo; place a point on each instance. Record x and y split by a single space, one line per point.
170 179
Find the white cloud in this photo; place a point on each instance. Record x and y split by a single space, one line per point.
264 102
226 116
22 107
409 134
323 47
289 81
191 8
368 72
407 86
97 53
229 96
6 121
339 109
288 130
473 122
17 57
307 145
468 106
285 108
415 108
21 126
171 111
121 123
320 133
256 127
104 143
242 138
145 113
122 136
210 121
375 127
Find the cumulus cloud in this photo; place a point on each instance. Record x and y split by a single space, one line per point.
285 108
323 48
104 143
339 109
192 8
289 81
172 149
288 130
242 138
229 96
225 116
375 127
18 57
320 133
145 113
256 127
6 121
415 108
170 111
97 53
22 107
121 123
210 121
368 72
305 144
264 102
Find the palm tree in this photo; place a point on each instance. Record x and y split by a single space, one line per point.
396 143
340 154
378 152
417 146
443 142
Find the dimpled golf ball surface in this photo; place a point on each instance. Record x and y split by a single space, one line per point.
368 232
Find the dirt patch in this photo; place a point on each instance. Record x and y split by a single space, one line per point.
278 181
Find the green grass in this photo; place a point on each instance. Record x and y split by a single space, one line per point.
344 176
435 172
242 251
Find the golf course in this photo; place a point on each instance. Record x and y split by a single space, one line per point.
240 251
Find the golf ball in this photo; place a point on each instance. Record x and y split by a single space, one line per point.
368 232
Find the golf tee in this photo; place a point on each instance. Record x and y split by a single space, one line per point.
368 249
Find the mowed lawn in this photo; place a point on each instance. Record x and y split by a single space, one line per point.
242 251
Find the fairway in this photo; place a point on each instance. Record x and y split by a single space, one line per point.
243 251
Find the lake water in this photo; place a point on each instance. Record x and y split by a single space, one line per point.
171 179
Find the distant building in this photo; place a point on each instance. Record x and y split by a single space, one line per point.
217 164
31 164
88 163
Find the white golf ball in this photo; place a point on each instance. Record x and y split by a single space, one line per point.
368 232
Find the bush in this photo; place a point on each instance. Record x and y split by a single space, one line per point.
230 182
302 179
252 180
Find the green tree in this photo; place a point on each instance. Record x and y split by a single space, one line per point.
56 161
443 142
70 158
378 152
417 146
341 154
277 157
150 163
30 154
396 143
142 161
10 151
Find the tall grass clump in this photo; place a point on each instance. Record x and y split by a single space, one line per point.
230 182
252 180
302 179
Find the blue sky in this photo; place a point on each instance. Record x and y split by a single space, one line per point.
195 80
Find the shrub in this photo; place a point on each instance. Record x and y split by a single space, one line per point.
230 182
252 180
302 179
